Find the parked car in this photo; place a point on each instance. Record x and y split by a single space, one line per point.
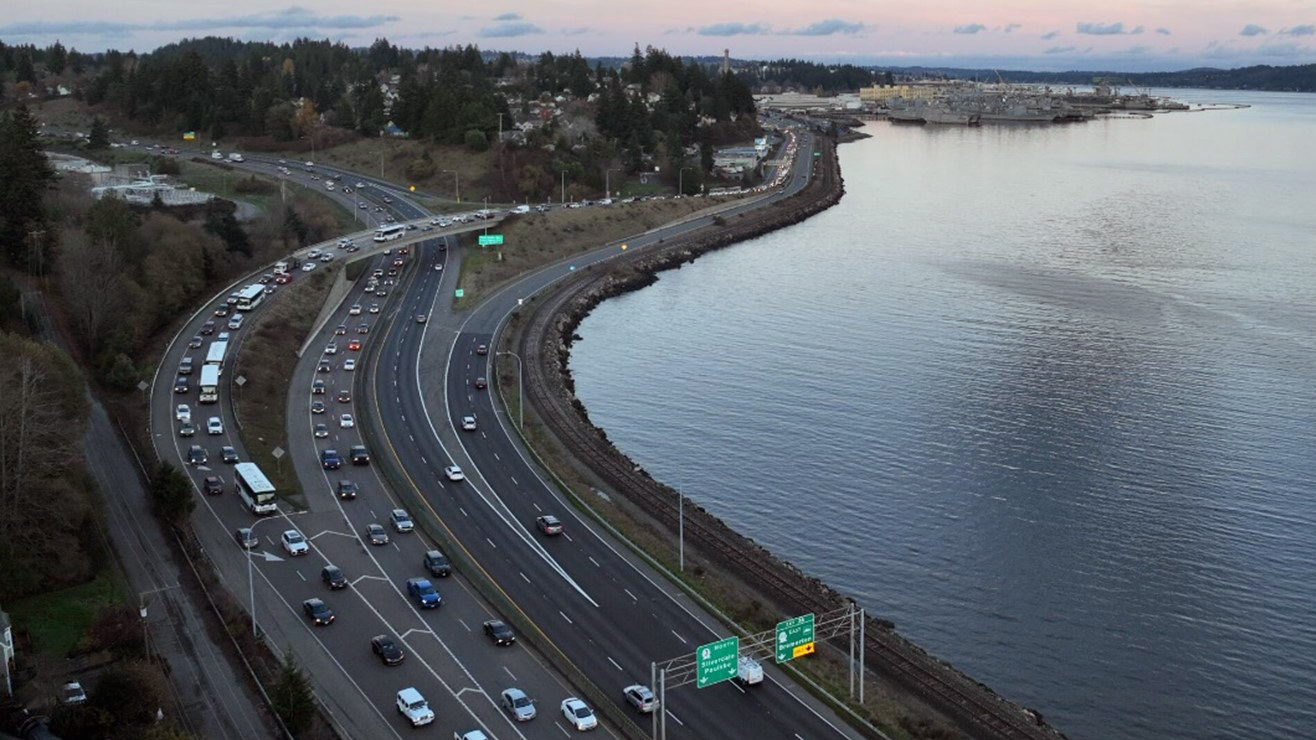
73 693
578 714
517 704
387 649
333 577
437 564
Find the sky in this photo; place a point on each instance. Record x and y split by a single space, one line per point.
1050 35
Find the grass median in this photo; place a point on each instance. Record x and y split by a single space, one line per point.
266 361
537 239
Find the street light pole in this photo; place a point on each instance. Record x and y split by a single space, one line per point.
563 200
607 182
680 180
680 526
520 391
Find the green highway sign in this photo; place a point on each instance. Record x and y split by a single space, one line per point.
491 240
794 638
460 292
716 661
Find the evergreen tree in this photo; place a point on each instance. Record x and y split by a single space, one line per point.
26 72
26 175
99 137
57 58
292 697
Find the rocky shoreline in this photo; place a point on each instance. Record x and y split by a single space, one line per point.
545 344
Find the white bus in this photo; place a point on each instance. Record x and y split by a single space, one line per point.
209 384
255 489
250 297
390 232
216 352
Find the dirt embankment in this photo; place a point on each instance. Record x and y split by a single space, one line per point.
918 679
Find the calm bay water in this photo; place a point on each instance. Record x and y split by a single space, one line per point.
1045 397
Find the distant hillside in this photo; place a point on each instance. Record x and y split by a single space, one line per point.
1301 78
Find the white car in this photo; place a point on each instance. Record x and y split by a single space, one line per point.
578 715
307 267
184 412
468 423
331 349
412 706
401 520
294 543
346 422
640 697
355 310
454 473
214 425
349 364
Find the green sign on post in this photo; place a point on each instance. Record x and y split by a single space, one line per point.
459 292
716 661
794 638
491 240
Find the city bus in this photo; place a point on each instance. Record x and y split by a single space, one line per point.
209 384
255 489
390 232
250 297
215 353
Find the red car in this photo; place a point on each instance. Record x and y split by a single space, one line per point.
354 345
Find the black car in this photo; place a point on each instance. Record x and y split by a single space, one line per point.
358 455
318 611
180 385
347 489
333 577
213 485
499 632
228 454
196 455
387 649
330 459
437 564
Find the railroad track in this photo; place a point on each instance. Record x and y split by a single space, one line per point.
548 389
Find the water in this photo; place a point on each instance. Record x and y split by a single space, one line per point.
1044 397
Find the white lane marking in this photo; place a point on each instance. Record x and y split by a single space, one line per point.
613 662
415 630
678 719
463 511
299 575
537 507
358 579
682 639
564 616
595 562
628 593
496 457
564 534
563 729
513 480
509 672
523 576
491 544
462 622
395 547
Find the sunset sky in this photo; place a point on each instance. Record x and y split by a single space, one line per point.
1008 34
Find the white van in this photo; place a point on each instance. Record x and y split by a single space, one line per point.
217 154
523 208
748 671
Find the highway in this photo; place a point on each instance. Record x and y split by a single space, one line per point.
609 613
449 659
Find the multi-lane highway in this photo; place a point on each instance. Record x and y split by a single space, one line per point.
458 669
611 615
607 612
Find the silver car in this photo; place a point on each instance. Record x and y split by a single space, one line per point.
517 704
376 534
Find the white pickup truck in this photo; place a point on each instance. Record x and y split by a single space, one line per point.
412 706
